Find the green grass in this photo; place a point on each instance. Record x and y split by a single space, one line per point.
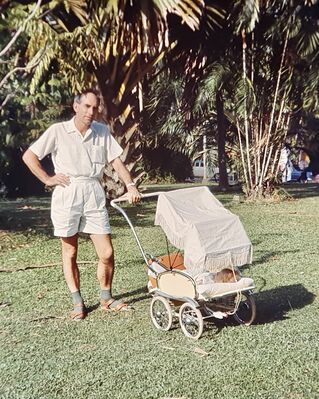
45 355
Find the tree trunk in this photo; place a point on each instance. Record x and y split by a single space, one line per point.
122 116
221 142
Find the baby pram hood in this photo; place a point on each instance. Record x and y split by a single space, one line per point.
211 236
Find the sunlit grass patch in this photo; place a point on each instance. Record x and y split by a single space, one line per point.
121 355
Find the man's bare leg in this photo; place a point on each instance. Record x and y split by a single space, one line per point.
105 270
70 267
72 274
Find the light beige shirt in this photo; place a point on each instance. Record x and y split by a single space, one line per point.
76 155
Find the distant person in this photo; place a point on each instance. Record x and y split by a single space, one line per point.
285 164
80 148
303 164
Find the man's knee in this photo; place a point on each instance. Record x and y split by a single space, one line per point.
69 248
106 256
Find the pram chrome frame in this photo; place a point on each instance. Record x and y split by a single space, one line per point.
190 307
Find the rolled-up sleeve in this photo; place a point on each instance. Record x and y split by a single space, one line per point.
45 144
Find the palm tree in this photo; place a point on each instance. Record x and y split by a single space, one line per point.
274 51
115 45
165 119
271 45
210 103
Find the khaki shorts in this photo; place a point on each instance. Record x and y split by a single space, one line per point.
79 207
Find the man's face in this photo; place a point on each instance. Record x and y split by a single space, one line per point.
86 109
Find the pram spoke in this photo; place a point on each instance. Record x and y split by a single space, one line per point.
191 321
161 313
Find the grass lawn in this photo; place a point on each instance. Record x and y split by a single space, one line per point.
45 355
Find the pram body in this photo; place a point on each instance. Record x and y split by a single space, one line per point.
212 239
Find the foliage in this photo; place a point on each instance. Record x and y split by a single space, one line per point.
23 119
163 164
260 67
24 115
115 45
163 120
267 91
251 88
112 44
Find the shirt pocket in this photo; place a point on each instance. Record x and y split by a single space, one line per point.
98 154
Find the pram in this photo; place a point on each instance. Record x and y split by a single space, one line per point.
182 284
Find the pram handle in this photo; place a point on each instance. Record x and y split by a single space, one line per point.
124 197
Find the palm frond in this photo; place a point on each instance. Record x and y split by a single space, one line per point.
247 12
188 10
216 74
244 98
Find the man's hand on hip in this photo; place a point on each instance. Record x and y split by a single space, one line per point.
58 180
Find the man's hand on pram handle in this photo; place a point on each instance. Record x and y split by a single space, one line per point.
133 195
125 197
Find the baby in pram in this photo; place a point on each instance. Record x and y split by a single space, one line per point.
223 276
206 282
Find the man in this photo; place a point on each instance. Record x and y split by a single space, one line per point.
80 148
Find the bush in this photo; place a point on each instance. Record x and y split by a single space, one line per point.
163 165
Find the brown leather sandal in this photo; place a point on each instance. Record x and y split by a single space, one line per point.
119 307
79 312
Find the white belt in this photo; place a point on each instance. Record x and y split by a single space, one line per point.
83 179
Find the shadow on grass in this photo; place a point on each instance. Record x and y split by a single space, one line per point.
275 304
34 214
141 292
26 214
271 305
299 190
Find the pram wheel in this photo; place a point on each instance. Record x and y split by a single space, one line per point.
191 321
161 313
246 311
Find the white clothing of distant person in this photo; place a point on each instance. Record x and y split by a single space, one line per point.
285 165
80 206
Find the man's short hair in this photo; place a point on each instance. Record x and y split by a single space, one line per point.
78 97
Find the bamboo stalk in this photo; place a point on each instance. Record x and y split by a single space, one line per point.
252 71
259 143
285 127
242 153
253 123
244 46
274 107
275 132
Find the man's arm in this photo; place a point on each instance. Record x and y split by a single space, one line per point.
133 193
33 163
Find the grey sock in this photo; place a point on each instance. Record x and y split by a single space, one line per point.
106 295
77 298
